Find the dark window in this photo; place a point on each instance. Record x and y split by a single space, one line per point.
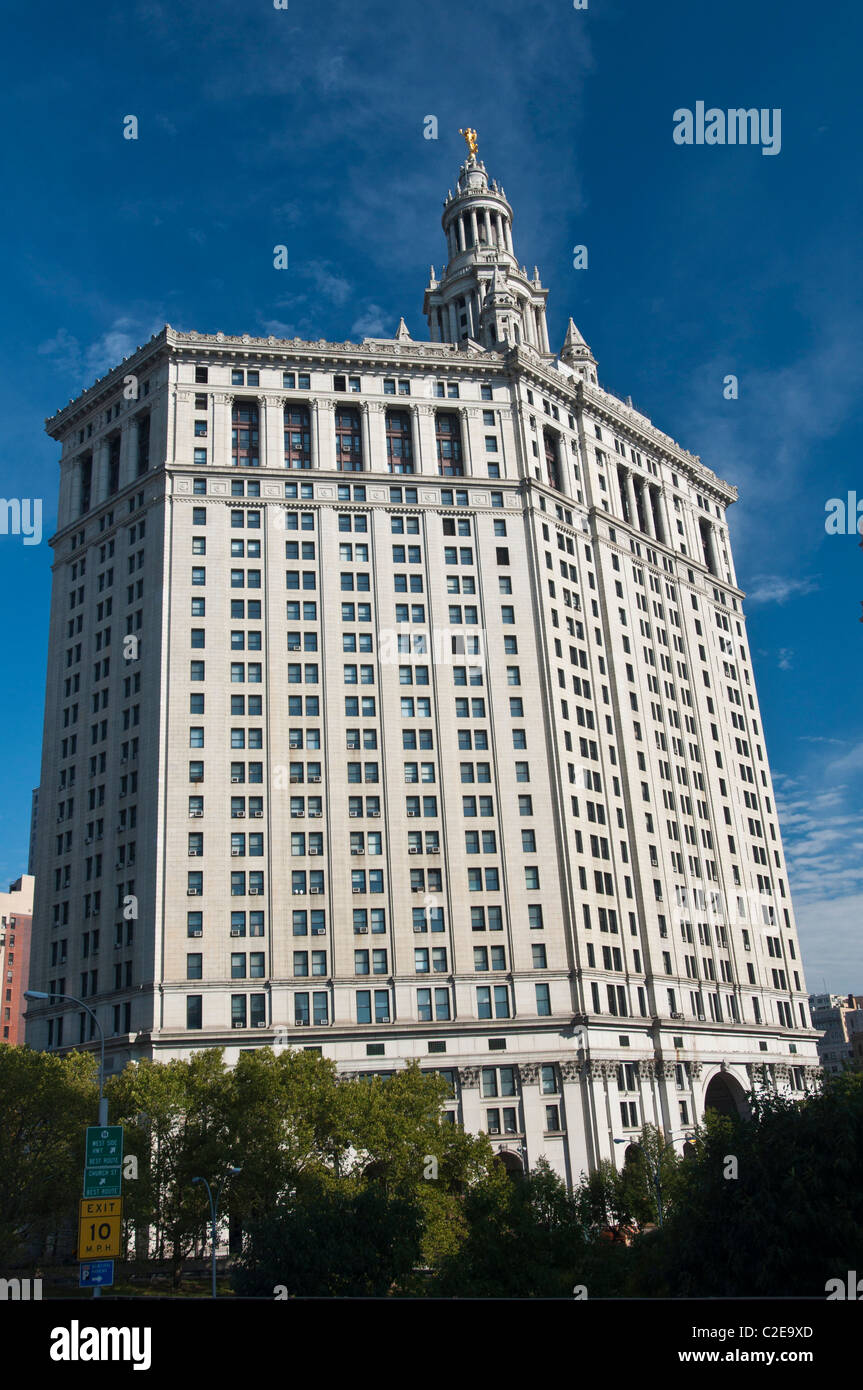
245 435
349 453
399 445
448 439
298 438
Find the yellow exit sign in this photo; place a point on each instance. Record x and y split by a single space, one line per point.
99 1223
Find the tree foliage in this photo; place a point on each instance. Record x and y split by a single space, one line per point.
45 1104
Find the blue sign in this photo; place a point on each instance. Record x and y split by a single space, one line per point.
95 1274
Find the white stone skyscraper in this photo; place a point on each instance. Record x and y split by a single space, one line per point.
400 704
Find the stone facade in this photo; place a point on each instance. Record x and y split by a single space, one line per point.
400 704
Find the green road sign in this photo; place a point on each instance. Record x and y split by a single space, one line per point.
103 1182
104 1146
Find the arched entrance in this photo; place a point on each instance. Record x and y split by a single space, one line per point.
511 1162
726 1096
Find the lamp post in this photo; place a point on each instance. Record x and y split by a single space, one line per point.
102 1119
214 1211
103 1102
654 1172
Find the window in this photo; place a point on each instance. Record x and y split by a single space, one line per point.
543 1000
399 443
448 442
245 435
298 439
349 458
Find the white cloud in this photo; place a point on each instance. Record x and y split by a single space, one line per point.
777 588
373 322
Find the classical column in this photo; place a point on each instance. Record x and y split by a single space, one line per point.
464 426
461 236
273 451
220 444
425 448
129 452
324 435
474 226
507 236
630 499
376 417
487 219
648 510
99 488
453 322
663 526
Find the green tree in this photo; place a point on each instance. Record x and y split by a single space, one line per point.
336 1242
524 1239
176 1116
771 1204
46 1102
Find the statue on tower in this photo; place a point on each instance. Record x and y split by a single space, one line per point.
470 137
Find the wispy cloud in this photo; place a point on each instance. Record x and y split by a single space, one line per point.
84 361
777 588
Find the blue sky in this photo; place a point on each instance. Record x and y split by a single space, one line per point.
304 126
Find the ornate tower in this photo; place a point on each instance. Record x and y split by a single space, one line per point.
483 294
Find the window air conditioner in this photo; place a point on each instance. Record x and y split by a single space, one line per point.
314 779
322 1022
193 892
413 813
254 892
356 890
197 931
193 853
361 931
196 814
316 890
418 889
234 853
296 815
301 1023
317 814
238 815
375 814
258 815
432 851
353 815
235 931
295 780
314 851
237 1023
261 1024
413 850
236 779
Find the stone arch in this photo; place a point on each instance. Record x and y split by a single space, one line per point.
726 1096
511 1162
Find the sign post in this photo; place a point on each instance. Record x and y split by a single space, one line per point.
100 1217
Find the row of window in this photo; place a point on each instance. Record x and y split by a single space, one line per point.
370 1006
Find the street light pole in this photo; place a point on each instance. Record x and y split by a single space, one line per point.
214 1212
102 1118
654 1172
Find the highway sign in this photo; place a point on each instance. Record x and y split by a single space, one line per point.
99 1223
95 1274
103 1182
104 1146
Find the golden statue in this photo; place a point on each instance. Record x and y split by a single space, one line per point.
470 137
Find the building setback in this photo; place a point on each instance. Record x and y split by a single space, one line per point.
400 705
16 926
